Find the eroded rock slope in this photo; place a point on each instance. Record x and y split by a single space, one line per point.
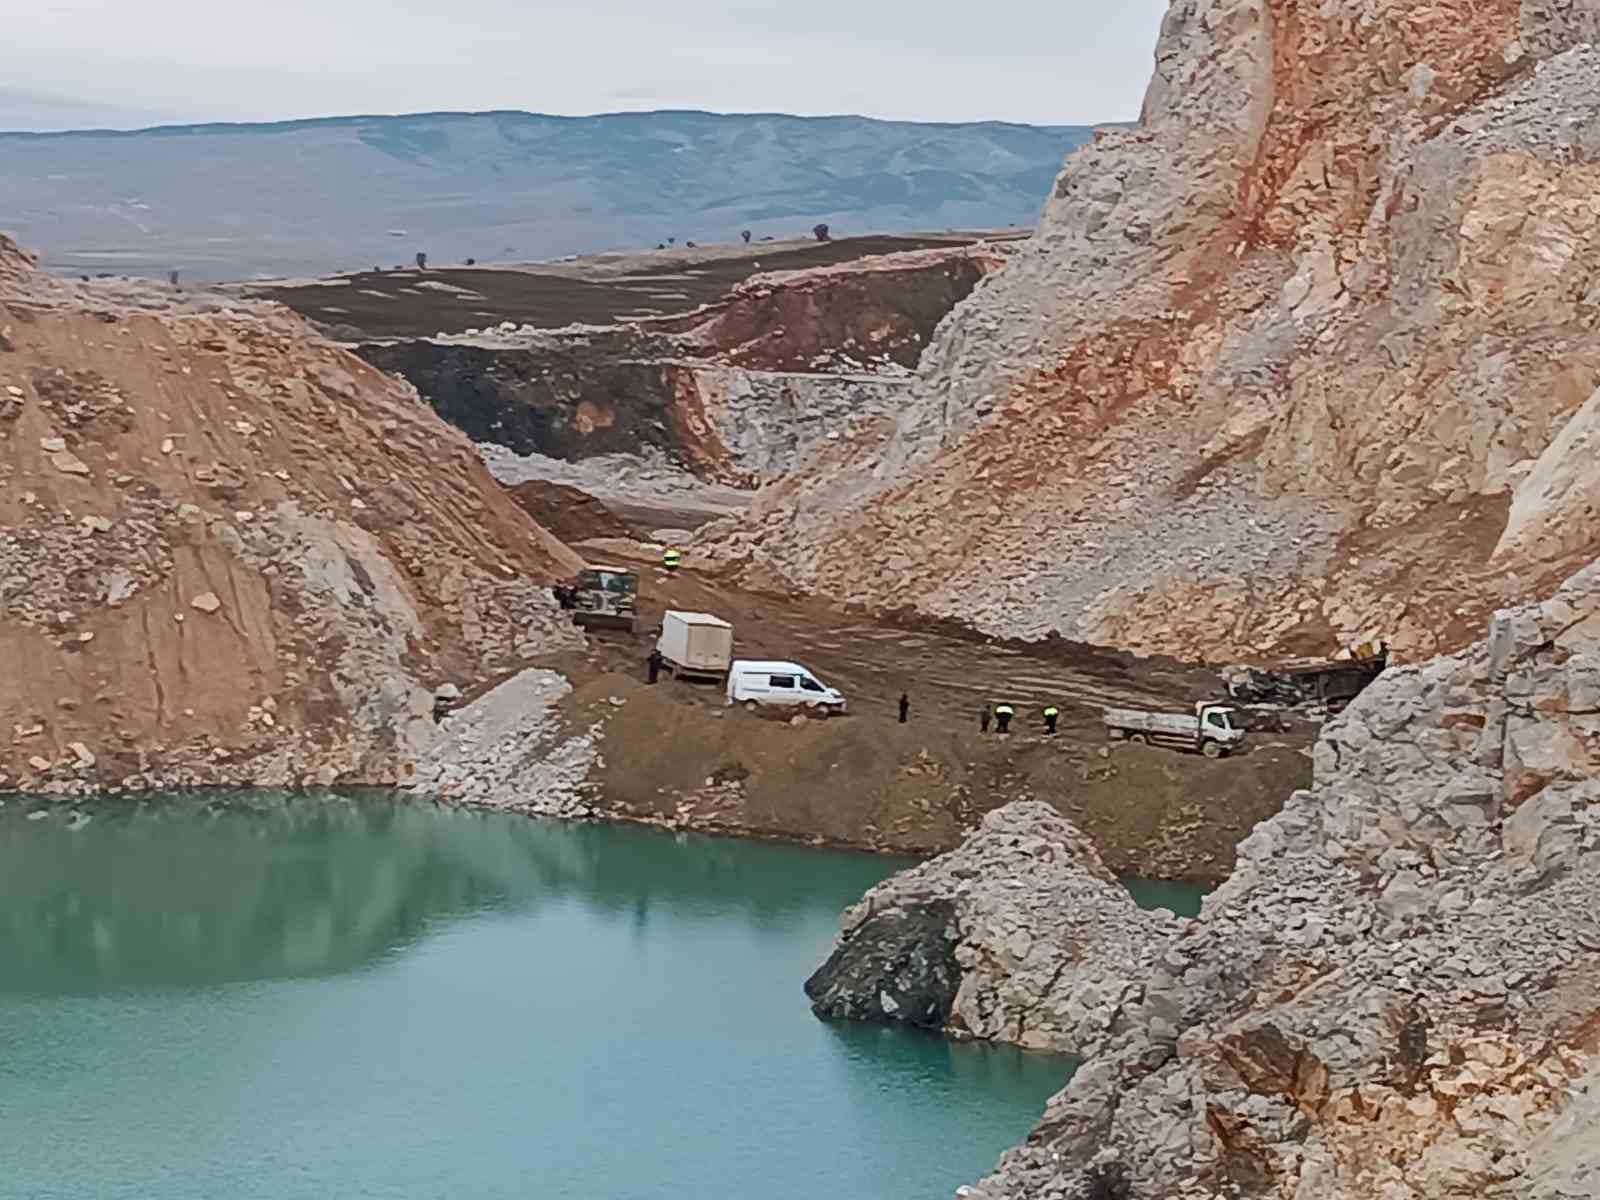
230 552
1312 353
1397 993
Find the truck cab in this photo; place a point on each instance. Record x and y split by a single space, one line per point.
1216 727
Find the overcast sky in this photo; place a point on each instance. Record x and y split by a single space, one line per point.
71 63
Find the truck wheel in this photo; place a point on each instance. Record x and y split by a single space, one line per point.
1211 749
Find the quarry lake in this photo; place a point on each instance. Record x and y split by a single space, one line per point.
317 997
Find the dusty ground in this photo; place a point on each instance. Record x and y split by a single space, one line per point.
675 754
601 290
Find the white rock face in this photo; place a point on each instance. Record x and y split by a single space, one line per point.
1397 994
1051 949
1277 362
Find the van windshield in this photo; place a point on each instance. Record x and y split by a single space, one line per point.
811 685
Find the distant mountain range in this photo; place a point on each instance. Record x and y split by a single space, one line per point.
312 197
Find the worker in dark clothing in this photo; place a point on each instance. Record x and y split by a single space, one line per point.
653 663
905 707
1002 718
983 719
1051 715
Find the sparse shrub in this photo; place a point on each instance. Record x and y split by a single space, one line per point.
746 235
422 261
820 232
472 262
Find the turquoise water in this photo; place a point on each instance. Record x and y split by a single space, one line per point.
331 999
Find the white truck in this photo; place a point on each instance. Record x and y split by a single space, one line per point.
1208 730
781 684
695 645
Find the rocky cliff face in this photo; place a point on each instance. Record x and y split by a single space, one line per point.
739 391
232 553
1311 353
1397 993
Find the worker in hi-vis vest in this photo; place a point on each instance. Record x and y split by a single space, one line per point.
1051 715
671 558
1002 718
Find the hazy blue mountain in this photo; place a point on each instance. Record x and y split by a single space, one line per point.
309 197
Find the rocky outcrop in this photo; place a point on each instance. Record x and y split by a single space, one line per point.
1397 994
231 553
1307 356
1020 935
737 391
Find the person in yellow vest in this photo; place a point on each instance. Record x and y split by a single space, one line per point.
1051 715
1002 718
672 558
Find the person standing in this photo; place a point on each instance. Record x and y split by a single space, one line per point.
1002 718
905 707
983 719
1051 715
653 664
671 559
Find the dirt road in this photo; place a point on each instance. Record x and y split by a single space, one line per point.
675 754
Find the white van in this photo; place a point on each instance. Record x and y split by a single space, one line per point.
780 683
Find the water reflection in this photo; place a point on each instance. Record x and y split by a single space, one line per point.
198 890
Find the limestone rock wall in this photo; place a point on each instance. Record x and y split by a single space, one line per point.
1397 993
1306 356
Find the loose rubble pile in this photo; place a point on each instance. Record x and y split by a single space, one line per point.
1020 935
508 750
1309 355
230 553
1397 993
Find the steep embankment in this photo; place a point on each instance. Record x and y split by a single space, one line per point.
739 390
230 552
1396 996
1311 353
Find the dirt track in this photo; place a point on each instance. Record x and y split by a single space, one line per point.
675 753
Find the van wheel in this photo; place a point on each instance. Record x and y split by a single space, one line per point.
751 706
1211 749
819 710
1138 739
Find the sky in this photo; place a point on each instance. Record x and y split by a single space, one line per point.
112 63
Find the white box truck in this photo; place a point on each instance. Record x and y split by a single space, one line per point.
695 645
754 684
1208 730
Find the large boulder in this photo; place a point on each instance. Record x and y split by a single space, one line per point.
1019 935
